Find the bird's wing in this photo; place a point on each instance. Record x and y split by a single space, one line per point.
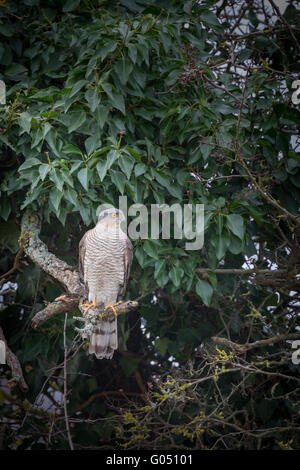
81 255
128 256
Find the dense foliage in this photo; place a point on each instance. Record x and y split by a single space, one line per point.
163 102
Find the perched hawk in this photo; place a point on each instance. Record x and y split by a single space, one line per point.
105 257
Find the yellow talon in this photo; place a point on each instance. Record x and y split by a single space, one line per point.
110 305
88 306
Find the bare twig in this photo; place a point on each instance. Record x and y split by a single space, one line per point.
286 23
16 265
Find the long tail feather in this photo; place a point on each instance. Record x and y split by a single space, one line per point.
104 339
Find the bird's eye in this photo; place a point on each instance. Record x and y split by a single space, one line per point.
115 214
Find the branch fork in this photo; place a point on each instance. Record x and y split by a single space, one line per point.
76 294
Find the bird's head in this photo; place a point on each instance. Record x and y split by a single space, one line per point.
112 214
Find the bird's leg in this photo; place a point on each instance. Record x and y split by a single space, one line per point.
112 306
88 306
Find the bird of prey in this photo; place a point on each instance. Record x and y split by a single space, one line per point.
105 257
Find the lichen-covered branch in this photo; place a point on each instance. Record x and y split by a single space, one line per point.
64 303
14 365
95 314
37 250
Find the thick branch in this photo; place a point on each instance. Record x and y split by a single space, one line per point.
95 314
13 363
64 303
242 348
39 253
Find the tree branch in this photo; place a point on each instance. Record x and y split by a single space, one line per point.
64 303
242 348
16 265
95 314
248 272
285 22
37 250
14 364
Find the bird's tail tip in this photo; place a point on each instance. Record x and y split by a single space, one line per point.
104 339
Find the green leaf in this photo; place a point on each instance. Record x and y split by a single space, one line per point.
220 220
205 291
150 248
77 119
134 152
55 197
140 256
161 345
222 243
71 196
70 149
205 151
29 163
56 177
102 169
25 122
236 245
235 223
44 170
140 169
132 52
159 267
37 138
176 275
77 87
46 127
162 279
118 179
85 212
126 164
5 208
101 113
52 140
123 69
210 18
107 48
92 143
83 176
92 98
70 5
115 97
75 166
66 176
15 69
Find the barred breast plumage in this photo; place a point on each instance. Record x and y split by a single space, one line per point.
105 258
